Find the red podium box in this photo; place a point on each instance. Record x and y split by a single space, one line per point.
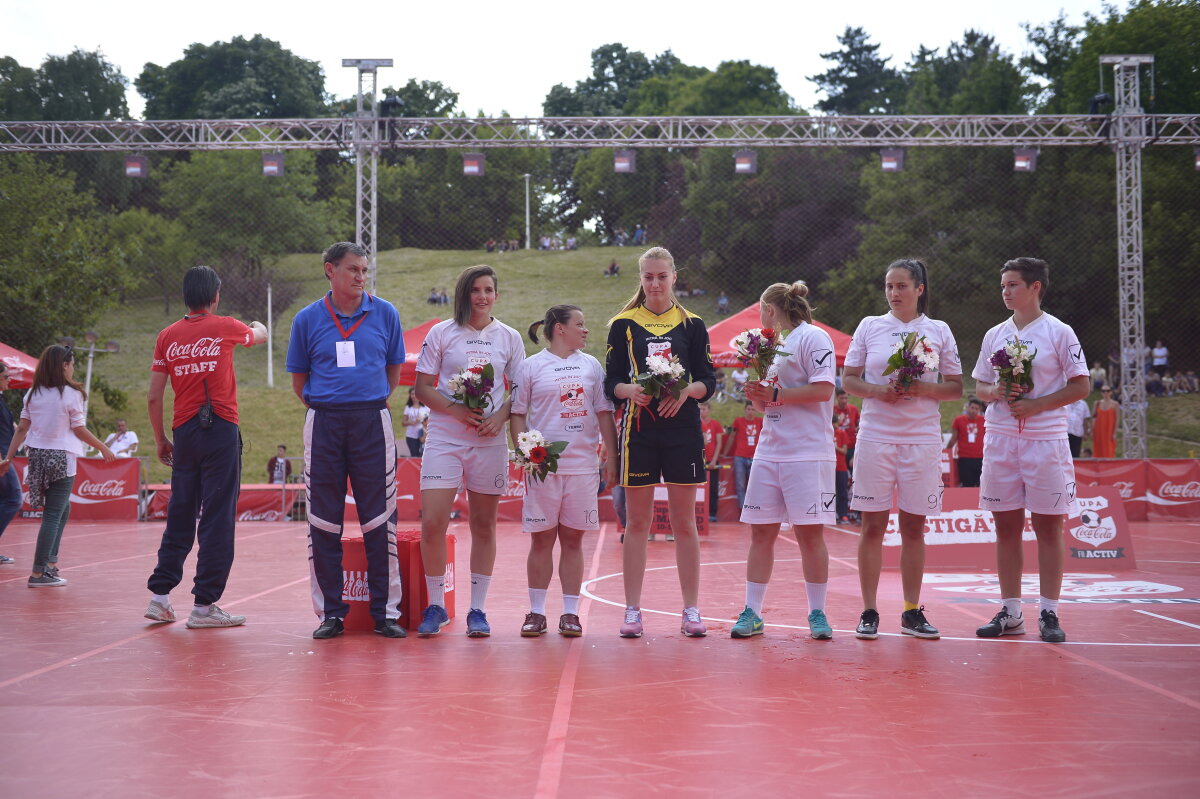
412 575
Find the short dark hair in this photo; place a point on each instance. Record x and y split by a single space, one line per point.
281 446
1030 269
976 401
200 287
334 253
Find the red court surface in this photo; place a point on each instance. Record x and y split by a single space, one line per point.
96 701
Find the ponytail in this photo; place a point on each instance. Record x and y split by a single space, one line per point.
791 299
556 315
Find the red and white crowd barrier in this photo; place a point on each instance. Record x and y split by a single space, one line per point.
1153 490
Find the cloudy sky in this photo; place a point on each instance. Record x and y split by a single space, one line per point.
506 56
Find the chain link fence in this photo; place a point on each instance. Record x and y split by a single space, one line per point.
82 240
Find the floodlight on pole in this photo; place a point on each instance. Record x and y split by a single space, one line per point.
1024 160
625 161
526 176
366 158
745 162
891 160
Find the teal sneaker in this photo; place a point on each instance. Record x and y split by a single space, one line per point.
748 624
818 626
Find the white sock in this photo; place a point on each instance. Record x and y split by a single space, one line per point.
201 610
1013 607
436 586
537 600
571 604
479 589
755 592
1048 604
816 595
163 599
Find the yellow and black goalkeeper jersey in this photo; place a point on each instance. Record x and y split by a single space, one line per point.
633 335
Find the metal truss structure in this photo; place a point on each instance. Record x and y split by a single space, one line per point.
365 134
585 132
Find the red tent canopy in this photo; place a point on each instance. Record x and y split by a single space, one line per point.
20 366
722 334
413 339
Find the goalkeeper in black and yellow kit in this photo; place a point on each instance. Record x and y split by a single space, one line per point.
659 439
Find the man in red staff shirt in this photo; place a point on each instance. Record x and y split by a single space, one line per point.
204 451
846 416
746 432
714 435
967 433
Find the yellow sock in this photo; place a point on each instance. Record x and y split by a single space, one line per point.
911 606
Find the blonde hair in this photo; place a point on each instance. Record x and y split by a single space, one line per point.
639 296
791 299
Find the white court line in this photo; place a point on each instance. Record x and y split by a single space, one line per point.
585 591
1168 618
1192 562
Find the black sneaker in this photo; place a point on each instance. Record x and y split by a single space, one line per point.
330 628
913 622
1002 624
1048 627
389 628
868 624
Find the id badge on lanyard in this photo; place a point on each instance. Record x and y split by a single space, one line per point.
344 349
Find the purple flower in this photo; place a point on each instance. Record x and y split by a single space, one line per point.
1000 359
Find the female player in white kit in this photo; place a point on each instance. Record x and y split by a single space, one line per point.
1028 466
899 441
792 479
462 445
560 393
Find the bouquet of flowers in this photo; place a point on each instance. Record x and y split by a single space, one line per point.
535 456
663 376
473 386
913 357
758 347
1014 365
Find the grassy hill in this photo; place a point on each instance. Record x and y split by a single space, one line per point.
530 281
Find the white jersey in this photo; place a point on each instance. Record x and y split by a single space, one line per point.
1077 414
414 420
906 421
1059 358
801 431
449 348
561 397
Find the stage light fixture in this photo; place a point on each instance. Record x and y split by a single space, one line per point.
272 165
891 160
625 161
745 162
473 164
136 166
1024 160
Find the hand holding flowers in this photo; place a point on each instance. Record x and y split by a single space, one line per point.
535 456
1014 367
473 386
913 357
663 377
757 347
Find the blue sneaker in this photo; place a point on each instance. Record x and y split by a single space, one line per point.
477 626
433 620
818 626
749 623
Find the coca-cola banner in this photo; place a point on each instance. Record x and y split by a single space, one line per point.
102 492
256 503
1127 477
1097 538
1173 489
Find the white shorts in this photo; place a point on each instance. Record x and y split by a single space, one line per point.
799 492
484 470
911 472
1022 473
566 499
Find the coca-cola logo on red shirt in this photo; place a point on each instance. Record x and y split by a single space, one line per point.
200 348
109 489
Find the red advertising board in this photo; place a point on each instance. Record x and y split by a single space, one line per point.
103 492
1096 539
1172 489
263 502
1128 477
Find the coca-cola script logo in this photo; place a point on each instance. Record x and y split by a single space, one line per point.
200 348
109 489
1125 487
1189 490
261 516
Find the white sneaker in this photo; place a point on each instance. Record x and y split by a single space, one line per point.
215 618
159 612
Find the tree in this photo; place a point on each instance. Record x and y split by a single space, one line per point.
61 275
19 99
157 249
736 88
240 79
860 82
973 77
81 85
1056 46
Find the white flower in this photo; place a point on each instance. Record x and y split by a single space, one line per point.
658 365
1018 368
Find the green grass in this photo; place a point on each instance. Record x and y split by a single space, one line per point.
530 282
